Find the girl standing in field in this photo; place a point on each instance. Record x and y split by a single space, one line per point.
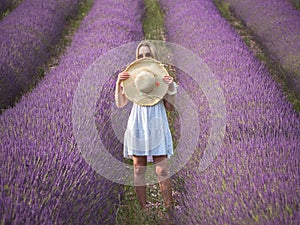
147 132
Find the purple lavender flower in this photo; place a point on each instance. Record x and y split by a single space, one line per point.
8 4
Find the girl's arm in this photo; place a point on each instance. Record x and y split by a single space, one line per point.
170 97
120 98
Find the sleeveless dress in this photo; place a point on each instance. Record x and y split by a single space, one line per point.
148 132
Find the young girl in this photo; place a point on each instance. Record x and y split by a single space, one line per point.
139 119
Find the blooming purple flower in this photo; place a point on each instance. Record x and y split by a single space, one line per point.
8 4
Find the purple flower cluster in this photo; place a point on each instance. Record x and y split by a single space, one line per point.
26 35
8 4
255 176
277 24
44 178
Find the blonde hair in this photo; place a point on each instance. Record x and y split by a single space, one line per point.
149 45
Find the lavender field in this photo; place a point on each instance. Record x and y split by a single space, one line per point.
276 23
255 178
26 35
45 180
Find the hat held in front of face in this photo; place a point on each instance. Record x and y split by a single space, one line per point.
145 86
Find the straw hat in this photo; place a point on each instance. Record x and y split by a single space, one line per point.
145 86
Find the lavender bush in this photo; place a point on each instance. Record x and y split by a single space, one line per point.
26 35
255 177
277 25
44 178
8 5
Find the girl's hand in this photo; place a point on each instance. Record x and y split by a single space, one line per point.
168 79
123 76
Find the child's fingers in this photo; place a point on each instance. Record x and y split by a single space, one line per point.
123 76
168 79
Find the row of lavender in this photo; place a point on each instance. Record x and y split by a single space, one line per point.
26 36
255 177
44 178
277 25
8 5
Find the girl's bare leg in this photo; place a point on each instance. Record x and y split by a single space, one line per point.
162 172
140 163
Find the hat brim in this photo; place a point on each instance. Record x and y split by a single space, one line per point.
160 88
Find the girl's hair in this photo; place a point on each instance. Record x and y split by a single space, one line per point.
149 45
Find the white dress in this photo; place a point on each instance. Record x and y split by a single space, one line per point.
148 132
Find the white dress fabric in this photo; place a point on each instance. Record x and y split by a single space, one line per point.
148 132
